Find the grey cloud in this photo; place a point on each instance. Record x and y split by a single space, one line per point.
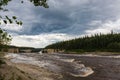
64 16
70 17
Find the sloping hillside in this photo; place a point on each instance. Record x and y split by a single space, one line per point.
97 42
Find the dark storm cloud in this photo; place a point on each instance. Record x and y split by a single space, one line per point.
73 19
68 17
65 16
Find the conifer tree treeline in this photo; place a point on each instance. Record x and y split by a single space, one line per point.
108 42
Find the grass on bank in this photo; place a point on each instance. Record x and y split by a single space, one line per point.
94 51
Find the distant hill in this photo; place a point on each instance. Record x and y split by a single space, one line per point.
21 49
12 46
97 42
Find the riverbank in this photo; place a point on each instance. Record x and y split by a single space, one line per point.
94 53
21 71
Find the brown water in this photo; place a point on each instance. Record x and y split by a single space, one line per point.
105 68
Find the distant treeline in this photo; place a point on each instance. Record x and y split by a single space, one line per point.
97 42
20 48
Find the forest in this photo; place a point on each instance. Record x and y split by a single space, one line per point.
97 42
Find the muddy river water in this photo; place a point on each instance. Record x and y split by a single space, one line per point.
73 67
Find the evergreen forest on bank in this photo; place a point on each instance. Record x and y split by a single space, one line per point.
98 42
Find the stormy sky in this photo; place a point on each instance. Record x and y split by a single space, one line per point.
63 20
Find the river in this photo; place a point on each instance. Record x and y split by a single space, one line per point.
72 66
